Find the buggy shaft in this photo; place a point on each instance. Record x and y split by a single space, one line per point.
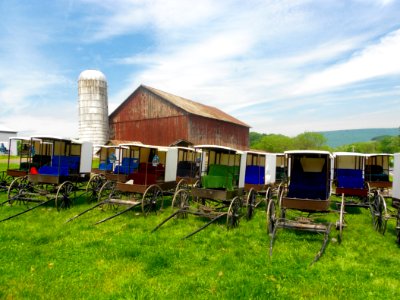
85 211
25 211
204 226
166 220
117 214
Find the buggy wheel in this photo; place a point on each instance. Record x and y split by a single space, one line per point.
152 200
16 189
63 196
93 186
268 194
251 203
234 213
181 202
182 184
271 217
196 185
5 181
280 189
379 213
106 191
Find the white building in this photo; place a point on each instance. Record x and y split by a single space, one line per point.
5 134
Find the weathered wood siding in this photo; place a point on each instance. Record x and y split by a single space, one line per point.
150 120
215 132
147 118
144 105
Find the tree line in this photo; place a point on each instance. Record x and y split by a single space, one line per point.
277 143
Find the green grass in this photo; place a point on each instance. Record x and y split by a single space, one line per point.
42 257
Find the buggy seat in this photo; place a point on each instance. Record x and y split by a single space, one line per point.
61 166
375 173
308 185
106 166
148 174
186 169
220 177
127 166
349 178
255 174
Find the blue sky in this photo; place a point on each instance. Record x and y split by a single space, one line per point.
280 66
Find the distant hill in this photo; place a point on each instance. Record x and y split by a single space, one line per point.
345 137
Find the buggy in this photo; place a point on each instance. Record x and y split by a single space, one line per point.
306 196
56 168
259 180
151 171
219 192
349 178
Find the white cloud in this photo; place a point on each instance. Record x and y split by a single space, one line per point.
376 60
126 16
257 60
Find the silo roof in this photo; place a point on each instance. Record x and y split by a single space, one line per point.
93 75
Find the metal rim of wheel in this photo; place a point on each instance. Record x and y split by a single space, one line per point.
5 180
63 196
234 213
250 204
16 187
152 200
94 185
379 214
182 184
196 185
106 191
271 216
181 202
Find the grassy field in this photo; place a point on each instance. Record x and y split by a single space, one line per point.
45 258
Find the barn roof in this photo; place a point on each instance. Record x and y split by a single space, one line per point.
189 106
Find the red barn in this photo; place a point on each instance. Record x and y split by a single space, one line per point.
158 118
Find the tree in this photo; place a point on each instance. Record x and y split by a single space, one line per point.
389 144
255 137
310 141
274 143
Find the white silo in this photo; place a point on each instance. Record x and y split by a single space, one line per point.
93 107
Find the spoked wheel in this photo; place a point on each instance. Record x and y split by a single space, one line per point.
181 202
64 195
271 216
251 203
93 186
268 195
106 190
182 184
379 213
5 181
152 200
16 190
234 213
196 185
